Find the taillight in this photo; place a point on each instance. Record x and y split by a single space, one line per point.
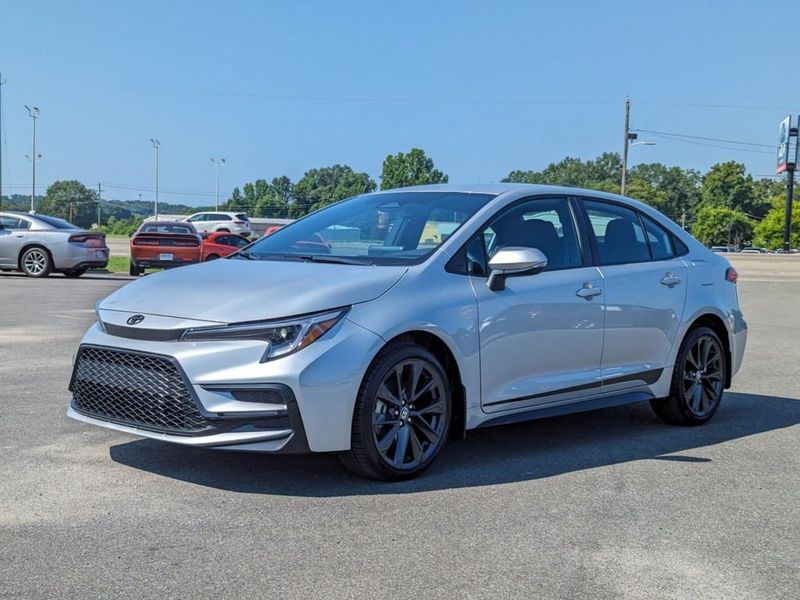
90 241
186 243
139 242
731 275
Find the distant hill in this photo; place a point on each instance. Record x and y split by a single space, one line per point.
120 209
125 209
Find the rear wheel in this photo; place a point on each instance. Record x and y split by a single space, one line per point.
36 262
134 270
75 272
698 380
402 415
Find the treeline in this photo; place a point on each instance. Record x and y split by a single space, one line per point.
723 206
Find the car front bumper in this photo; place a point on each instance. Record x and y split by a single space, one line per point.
319 385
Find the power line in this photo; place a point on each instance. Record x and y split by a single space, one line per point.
699 137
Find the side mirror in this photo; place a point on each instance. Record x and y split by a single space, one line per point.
514 262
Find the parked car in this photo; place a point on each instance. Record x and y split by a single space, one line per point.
37 245
719 249
540 301
163 245
751 250
271 229
791 251
229 222
217 245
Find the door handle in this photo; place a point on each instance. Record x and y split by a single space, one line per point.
670 280
589 291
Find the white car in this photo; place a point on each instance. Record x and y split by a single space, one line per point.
230 222
444 309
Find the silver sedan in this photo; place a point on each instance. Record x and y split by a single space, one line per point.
381 326
37 245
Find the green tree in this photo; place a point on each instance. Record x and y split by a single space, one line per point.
324 186
236 202
721 226
274 199
769 232
672 190
70 200
728 185
603 173
407 169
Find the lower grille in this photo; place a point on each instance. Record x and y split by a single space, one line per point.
132 388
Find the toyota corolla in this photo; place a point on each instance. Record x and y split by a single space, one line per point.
384 325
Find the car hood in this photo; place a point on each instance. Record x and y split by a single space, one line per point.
229 291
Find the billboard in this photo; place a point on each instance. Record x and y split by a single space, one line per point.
783 145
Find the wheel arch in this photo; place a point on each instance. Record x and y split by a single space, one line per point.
717 325
439 348
30 245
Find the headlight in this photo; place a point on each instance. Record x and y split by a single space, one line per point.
97 314
282 337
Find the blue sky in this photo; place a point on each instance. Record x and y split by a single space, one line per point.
484 87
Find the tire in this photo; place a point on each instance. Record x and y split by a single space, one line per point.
212 257
134 270
396 435
698 380
36 262
75 272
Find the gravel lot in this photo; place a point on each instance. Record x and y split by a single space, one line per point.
609 504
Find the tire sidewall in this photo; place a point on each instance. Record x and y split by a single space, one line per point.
677 376
367 399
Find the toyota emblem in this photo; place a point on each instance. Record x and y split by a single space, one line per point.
135 319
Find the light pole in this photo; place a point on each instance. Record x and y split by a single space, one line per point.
156 145
34 114
219 164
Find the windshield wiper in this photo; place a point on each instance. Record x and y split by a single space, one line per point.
328 258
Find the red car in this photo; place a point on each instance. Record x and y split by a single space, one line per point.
222 244
164 244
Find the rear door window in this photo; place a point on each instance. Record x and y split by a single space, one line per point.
617 232
660 240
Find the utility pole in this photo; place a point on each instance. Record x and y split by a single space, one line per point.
787 223
625 146
2 81
99 195
156 145
218 163
34 113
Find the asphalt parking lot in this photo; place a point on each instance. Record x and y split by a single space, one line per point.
608 504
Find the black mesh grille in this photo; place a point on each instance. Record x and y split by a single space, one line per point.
137 389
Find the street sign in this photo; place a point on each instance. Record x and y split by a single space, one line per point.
783 145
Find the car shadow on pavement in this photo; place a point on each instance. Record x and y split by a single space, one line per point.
511 453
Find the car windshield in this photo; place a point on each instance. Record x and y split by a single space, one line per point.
395 228
54 222
166 228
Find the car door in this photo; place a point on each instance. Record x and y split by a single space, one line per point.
541 337
12 238
645 290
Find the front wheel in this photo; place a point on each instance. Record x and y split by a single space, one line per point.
212 257
698 380
36 262
402 415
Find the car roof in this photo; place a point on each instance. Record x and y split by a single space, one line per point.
519 189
